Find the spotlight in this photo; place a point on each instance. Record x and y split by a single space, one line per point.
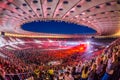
88 42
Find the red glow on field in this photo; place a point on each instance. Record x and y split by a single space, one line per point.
82 47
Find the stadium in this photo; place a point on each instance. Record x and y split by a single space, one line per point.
59 40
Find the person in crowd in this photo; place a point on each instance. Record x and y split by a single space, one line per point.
99 69
110 68
68 76
2 73
61 76
92 74
116 68
51 73
74 73
37 72
85 72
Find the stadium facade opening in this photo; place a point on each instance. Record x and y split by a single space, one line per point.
57 27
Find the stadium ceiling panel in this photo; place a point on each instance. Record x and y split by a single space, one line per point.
100 15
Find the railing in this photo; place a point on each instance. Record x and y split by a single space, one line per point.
20 76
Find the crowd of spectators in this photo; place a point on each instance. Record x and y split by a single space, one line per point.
103 67
40 57
12 66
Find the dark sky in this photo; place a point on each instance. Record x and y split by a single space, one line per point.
57 28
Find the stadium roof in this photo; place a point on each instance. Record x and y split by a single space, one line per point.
100 15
